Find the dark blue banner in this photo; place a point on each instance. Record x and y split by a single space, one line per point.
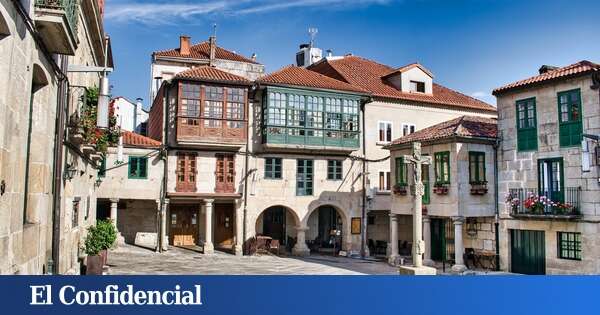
299 295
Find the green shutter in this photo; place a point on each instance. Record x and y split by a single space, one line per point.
570 121
526 120
304 178
442 167
401 173
138 167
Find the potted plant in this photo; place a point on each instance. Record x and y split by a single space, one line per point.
108 235
441 188
479 188
92 247
401 189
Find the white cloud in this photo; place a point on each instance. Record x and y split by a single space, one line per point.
173 12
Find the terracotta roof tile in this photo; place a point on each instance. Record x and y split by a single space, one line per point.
212 74
408 67
465 126
370 75
297 76
137 140
578 68
202 51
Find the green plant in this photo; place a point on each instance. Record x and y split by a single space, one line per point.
92 242
101 138
107 233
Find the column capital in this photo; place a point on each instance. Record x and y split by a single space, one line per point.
393 216
426 219
458 220
301 228
167 201
208 202
114 200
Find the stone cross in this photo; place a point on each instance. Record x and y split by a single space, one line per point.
417 160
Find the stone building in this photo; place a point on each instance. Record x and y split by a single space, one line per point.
131 116
458 205
45 204
130 189
549 171
404 100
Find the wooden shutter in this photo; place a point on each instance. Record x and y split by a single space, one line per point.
225 173
186 172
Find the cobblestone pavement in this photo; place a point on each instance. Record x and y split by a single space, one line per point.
132 260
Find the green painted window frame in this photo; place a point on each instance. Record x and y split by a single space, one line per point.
138 167
477 164
442 159
335 169
102 168
401 172
273 168
304 177
555 195
526 121
568 245
426 184
571 128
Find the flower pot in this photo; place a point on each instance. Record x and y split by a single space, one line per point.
93 265
104 255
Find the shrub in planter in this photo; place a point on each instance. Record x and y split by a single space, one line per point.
108 235
92 248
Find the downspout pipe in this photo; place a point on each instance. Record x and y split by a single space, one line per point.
363 235
246 170
496 207
165 158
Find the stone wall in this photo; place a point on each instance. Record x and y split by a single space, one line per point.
519 170
137 216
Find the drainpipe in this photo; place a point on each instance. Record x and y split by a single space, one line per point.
363 235
497 210
165 158
246 166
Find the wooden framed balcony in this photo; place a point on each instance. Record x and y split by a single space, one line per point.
57 21
545 204
309 138
211 132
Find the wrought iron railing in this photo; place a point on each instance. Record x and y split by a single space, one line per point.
531 201
70 7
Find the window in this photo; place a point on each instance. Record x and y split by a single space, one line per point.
401 172
75 213
186 172
276 110
407 129
569 245
551 179
417 86
138 167
371 220
526 125
314 116
190 103
334 170
213 106
88 204
296 115
384 181
102 169
273 168
225 174
144 129
569 114
442 168
304 178
426 185
236 99
385 131
476 167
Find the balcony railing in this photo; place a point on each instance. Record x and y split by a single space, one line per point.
311 137
70 7
211 130
534 202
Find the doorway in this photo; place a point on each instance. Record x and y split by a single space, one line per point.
442 240
224 223
527 252
274 222
184 225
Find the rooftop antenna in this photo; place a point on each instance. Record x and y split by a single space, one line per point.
313 33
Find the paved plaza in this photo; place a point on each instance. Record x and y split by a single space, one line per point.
132 260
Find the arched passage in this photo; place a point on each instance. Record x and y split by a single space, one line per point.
327 229
279 223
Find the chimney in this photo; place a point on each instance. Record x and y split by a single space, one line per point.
184 45
329 53
547 68
212 42
137 113
253 57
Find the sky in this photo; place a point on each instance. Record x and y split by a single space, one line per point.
472 46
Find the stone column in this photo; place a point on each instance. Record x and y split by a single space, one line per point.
158 225
459 265
239 229
114 203
163 225
427 237
393 255
300 249
208 244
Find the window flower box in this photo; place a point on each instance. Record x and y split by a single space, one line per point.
400 189
479 188
441 188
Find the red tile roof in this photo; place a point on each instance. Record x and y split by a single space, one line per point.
137 140
578 68
211 74
465 126
296 76
202 51
408 67
370 76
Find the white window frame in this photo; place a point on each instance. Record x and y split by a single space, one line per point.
414 127
386 123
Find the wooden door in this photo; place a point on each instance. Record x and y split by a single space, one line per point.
184 225
186 172
224 223
225 173
527 252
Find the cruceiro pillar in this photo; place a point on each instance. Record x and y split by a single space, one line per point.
427 237
393 255
208 244
459 247
300 249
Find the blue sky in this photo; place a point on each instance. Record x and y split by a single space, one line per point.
472 46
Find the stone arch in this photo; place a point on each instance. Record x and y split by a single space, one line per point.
295 215
346 221
278 221
39 77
